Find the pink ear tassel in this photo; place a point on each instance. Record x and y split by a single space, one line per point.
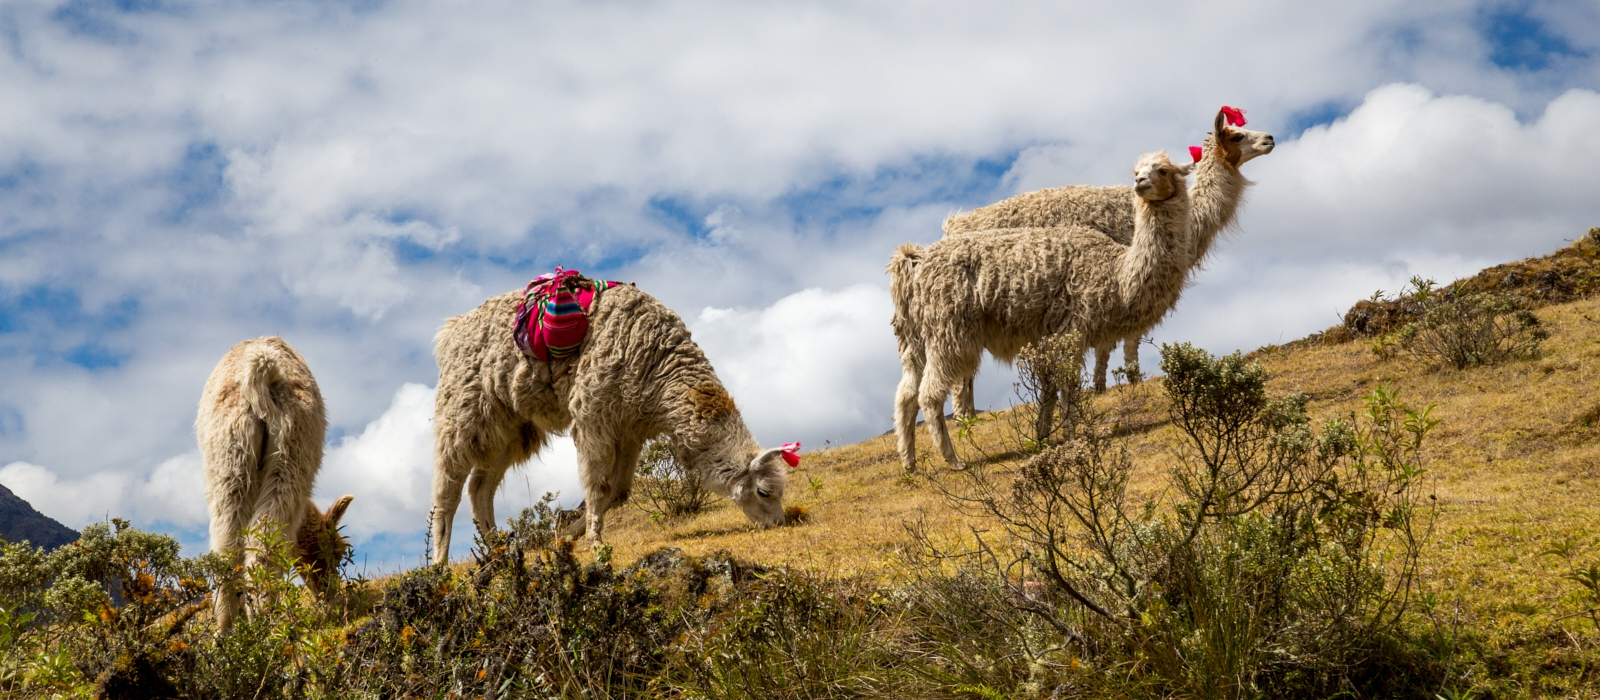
1235 115
1194 152
791 455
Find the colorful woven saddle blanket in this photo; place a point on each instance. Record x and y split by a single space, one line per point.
552 318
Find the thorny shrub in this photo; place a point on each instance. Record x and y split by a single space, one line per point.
1279 561
1461 330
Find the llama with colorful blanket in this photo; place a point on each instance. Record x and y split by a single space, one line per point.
636 374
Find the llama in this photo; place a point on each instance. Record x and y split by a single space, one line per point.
639 375
260 428
1218 189
1002 290
319 548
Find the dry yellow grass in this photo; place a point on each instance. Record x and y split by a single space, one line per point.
1514 466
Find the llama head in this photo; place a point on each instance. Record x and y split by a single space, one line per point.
758 490
1239 145
319 548
1157 178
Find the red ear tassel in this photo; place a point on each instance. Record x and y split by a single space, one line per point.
1194 152
791 455
1235 115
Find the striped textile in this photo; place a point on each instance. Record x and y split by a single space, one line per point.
552 318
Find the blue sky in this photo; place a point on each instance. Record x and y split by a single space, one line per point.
176 177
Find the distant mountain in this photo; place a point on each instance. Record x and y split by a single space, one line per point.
19 521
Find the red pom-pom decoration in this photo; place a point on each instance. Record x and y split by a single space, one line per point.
791 455
1234 115
1194 152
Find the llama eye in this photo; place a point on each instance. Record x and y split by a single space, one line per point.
763 494
1238 137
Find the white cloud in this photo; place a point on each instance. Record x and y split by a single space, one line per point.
173 494
75 502
388 467
815 365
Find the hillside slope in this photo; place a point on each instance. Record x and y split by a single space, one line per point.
1515 466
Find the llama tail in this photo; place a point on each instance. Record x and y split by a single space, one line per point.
902 274
262 366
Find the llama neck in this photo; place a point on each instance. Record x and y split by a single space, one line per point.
1218 189
1154 265
715 441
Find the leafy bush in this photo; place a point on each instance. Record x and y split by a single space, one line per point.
1461 330
787 635
1280 561
669 487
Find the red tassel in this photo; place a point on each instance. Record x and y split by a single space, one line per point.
1194 152
1234 115
791 455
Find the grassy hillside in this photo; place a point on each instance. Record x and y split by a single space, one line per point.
1515 467
1516 463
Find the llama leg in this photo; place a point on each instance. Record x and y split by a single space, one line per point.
905 416
964 401
625 466
1130 359
481 486
486 476
230 512
931 396
449 476
281 505
596 458
1102 357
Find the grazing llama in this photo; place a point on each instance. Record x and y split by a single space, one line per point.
1005 289
638 375
260 428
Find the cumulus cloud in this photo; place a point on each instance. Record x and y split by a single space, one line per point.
388 467
815 365
173 494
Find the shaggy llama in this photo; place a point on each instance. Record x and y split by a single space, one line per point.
260 428
1005 289
1216 195
639 375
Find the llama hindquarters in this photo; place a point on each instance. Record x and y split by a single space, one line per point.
260 429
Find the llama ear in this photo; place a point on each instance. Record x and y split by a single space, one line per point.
1222 138
768 460
1185 169
336 510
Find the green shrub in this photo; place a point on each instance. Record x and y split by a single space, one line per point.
1458 329
788 635
1279 562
